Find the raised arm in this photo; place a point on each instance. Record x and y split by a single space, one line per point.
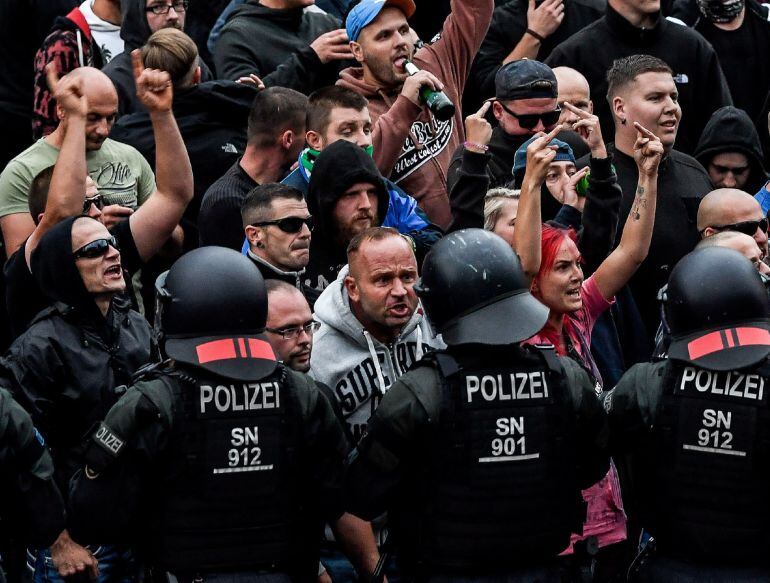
154 221
617 269
529 222
466 195
68 184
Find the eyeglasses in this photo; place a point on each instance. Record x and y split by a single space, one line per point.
529 120
746 227
291 333
96 248
96 200
288 224
179 6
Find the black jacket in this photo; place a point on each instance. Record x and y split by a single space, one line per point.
275 44
731 130
700 81
212 119
682 183
506 30
338 167
65 368
134 31
29 496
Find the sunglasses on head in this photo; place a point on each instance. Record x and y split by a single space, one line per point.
746 227
529 120
96 248
96 200
288 224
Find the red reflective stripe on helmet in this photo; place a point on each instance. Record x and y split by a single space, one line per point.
705 345
752 337
729 339
242 348
261 349
216 350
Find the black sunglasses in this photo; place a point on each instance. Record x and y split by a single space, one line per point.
529 120
96 248
96 200
288 224
746 227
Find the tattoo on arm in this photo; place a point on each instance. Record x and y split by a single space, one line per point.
640 202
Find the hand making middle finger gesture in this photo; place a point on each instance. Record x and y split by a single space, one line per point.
540 154
648 150
153 87
589 128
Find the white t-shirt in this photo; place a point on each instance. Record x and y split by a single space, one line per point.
106 34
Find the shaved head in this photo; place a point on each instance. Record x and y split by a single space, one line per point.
102 104
727 206
739 242
570 79
94 81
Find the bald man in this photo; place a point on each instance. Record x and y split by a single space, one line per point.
121 174
739 242
573 88
730 209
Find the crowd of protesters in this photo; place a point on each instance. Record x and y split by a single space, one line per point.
603 141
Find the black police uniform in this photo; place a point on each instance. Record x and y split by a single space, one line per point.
31 507
479 453
220 462
694 430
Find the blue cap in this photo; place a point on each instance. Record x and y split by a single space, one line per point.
563 154
367 10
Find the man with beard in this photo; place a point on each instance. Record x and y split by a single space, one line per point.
290 324
347 196
274 139
411 146
278 225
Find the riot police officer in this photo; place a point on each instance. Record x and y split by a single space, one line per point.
32 508
220 462
480 451
694 429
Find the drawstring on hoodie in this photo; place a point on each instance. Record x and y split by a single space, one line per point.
418 353
376 359
81 59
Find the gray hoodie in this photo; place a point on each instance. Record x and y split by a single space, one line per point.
358 367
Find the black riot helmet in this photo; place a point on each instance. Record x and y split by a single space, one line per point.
475 292
717 309
211 310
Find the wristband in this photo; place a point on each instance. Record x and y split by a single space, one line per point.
476 146
538 36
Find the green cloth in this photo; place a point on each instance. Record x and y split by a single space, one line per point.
120 172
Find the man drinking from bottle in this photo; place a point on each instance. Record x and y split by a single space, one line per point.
411 146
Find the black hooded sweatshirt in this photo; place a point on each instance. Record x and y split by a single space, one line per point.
275 44
134 31
337 168
65 369
731 130
699 79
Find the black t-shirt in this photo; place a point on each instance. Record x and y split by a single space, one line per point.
23 296
743 55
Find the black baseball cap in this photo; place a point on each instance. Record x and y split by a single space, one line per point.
525 79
